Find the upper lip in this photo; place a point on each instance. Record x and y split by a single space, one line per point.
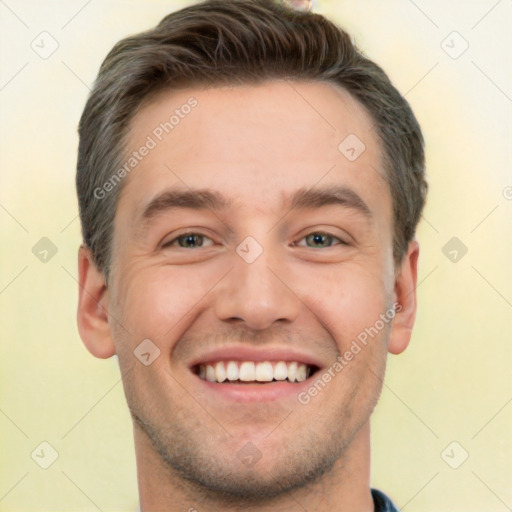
247 353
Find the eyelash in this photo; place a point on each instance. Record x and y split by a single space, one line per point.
192 233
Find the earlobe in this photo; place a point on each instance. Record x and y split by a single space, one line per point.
405 299
92 315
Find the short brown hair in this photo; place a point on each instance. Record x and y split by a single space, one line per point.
238 42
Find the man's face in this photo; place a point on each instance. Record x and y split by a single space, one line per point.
261 279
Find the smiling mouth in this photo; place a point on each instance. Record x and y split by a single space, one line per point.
247 372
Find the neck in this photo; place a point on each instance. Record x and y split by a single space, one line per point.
346 487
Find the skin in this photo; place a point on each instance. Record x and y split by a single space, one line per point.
256 145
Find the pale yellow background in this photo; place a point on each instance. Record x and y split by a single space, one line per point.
452 384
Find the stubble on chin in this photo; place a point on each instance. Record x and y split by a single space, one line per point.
204 458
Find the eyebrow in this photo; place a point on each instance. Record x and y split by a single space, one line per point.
334 195
206 199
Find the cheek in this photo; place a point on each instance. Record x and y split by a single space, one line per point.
350 301
155 302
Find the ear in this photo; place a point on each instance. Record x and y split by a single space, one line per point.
406 278
92 316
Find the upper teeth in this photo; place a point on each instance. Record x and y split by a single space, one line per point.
249 371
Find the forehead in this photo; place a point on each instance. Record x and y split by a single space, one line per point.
256 144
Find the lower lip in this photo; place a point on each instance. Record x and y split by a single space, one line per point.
257 392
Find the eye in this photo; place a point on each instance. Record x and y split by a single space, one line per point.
321 239
188 241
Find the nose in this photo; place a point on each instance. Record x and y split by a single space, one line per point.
257 293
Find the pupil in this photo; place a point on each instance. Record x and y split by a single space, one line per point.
319 239
190 240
